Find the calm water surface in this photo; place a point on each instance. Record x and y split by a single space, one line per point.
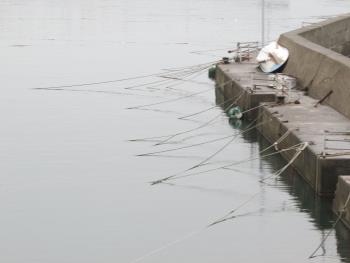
72 189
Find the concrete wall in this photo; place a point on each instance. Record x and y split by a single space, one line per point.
306 164
315 61
333 34
320 173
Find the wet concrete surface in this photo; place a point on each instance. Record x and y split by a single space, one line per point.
71 189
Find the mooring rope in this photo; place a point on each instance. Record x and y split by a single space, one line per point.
192 66
206 110
101 82
147 85
121 79
257 107
192 75
203 125
120 93
176 82
299 150
341 213
279 172
225 145
157 82
171 136
179 175
228 166
99 91
184 71
199 231
223 218
220 220
187 77
206 227
170 100
170 244
184 238
195 166
171 78
189 80
187 146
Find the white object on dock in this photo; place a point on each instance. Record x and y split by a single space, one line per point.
272 57
285 81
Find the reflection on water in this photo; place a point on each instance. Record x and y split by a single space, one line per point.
72 189
319 209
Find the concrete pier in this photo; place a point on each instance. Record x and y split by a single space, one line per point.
319 60
323 127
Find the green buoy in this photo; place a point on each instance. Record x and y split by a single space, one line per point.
212 72
235 113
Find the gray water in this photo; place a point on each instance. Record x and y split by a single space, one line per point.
72 189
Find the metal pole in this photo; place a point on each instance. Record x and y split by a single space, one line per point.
263 22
